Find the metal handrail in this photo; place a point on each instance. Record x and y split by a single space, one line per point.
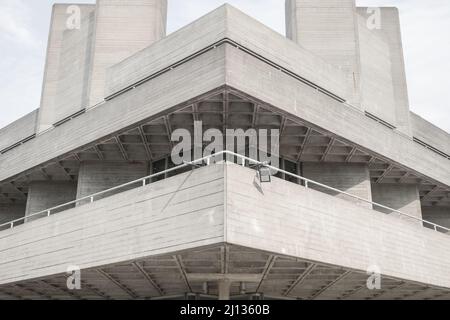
207 159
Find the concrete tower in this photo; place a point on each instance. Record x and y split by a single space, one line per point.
84 41
366 44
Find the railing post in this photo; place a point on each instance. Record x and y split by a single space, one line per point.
243 161
92 199
435 228
143 183
48 213
12 225
306 184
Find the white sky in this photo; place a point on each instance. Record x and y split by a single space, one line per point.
425 27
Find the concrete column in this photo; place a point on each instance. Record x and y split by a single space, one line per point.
377 91
43 195
65 64
353 178
74 66
224 287
10 212
99 176
390 33
401 197
438 215
329 30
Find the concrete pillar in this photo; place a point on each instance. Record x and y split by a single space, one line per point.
224 287
10 212
388 34
401 197
43 195
329 30
377 91
99 176
353 178
437 215
66 62
122 28
74 66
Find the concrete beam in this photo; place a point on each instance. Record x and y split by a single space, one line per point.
240 277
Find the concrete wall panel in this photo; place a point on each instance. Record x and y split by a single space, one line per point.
44 195
181 212
401 197
10 212
98 176
438 215
430 134
351 178
286 218
18 130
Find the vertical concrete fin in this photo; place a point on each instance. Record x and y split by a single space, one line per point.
389 32
66 64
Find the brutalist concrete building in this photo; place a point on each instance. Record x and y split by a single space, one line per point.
89 192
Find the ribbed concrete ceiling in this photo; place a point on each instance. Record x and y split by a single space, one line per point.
172 276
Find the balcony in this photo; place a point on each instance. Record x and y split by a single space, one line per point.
168 238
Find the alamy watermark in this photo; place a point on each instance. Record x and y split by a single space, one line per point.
73 22
74 278
261 145
374 19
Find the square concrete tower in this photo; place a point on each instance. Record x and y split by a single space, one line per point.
366 44
329 30
84 41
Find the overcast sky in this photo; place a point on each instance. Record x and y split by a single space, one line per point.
425 26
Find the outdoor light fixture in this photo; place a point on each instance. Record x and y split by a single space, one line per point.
264 174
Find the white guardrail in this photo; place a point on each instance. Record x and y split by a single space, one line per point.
207 160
